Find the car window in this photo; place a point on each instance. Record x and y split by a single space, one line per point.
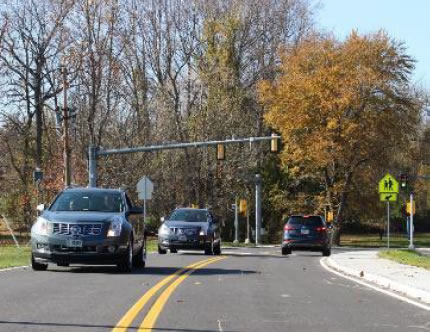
89 201
189 215
311 221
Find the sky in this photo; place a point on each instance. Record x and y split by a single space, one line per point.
404 20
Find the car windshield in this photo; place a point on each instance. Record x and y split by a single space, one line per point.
89 201
312 221
189 215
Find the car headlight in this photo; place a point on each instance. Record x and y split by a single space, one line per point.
115 228
203 232
42 227
164 230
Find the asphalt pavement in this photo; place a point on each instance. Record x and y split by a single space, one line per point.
245 289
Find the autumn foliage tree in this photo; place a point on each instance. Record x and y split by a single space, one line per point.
341 107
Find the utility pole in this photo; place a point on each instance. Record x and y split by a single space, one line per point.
66 149
236 221
257 209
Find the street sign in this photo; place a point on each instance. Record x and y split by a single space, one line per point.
388 184
388 197
145 187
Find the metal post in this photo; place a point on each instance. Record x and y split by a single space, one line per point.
388 224
92 166
144 203
411 225
247 225
257 209
66 131
236 221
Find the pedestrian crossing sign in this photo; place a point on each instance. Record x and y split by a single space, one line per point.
388 185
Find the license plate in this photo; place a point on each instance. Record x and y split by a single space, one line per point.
305 231
74 243
182 238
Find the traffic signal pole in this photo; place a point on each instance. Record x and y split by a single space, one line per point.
236 220
94 152
411 225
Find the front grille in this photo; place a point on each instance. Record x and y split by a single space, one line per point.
64 249
185 231
76 229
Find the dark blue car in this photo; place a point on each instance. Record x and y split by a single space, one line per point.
89 226
306 232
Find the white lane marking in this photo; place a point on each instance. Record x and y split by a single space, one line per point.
376 288
219 326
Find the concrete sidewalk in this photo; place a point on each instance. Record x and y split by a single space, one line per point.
412 282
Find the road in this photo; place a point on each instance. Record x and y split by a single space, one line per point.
247 289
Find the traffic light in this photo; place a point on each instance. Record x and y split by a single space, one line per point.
403 181
274 144
243 207
220 152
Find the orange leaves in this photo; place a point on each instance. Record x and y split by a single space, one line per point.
339 103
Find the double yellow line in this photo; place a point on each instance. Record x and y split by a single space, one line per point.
151 318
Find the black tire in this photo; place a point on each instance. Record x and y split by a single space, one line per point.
126 263
326 252
286 251
38 266
139 259
161 251
173 251
210 250
217 249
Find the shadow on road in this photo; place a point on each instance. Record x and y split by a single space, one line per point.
27 324
149 270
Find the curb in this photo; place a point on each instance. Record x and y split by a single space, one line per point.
15 268
384 283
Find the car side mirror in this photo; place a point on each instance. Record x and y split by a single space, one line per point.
135 210
41 207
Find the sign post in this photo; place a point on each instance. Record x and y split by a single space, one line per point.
145 187
388 189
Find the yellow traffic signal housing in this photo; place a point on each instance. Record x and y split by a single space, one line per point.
220 152
330 216
408 208
243 206
274 144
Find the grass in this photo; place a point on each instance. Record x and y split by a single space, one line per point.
408 257
373 241
12 256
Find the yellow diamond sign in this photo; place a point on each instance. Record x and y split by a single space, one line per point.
388 184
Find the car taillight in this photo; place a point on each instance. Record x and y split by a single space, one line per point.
287 228
321 229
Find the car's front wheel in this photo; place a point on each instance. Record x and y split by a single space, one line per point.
286 251
38 266
210 248
139 259
161 251
126 263
217 249
326 252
